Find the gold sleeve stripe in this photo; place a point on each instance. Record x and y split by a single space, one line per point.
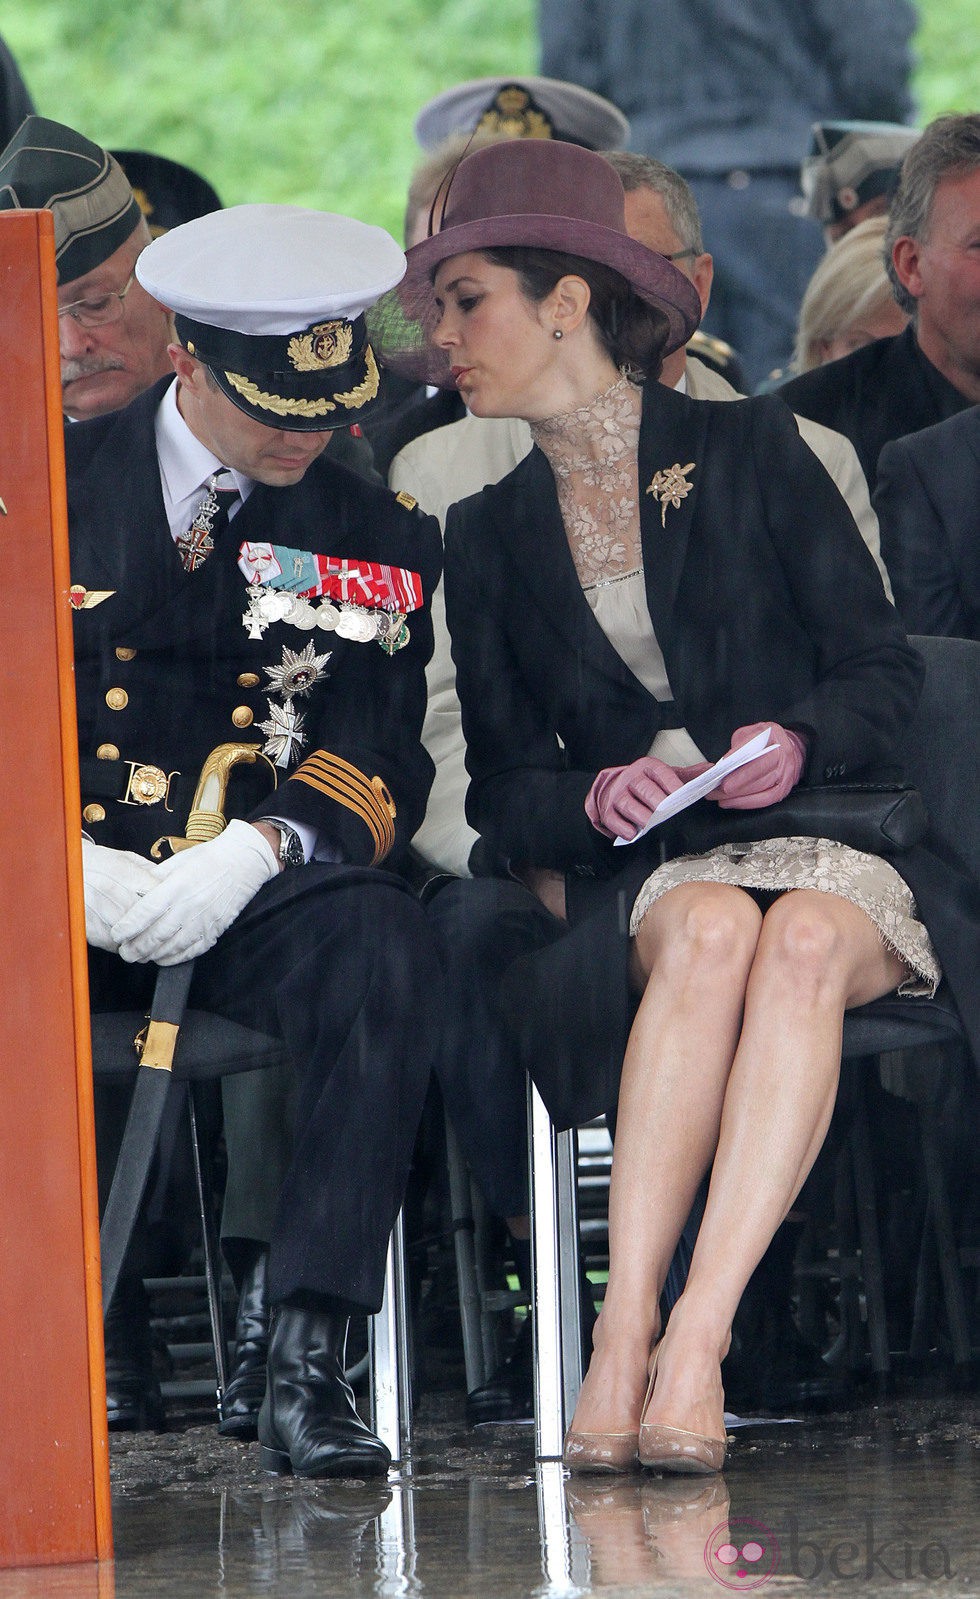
367 797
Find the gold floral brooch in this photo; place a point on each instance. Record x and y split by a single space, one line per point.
670 487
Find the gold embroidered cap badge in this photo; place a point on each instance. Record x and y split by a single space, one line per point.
326 345
513 113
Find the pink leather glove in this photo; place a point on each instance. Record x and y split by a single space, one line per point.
623 798
768 779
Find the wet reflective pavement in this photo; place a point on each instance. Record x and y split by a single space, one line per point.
880 1499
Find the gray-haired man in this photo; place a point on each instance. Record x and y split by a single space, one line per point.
113 335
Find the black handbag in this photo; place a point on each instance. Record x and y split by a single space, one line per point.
881 819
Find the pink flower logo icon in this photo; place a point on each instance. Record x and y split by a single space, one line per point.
741 1554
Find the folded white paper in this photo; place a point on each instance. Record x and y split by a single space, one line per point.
690 793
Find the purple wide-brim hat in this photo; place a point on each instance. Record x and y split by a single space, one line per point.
542 194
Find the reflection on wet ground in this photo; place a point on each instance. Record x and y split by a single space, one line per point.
879 1499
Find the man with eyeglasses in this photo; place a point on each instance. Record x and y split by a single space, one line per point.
113 335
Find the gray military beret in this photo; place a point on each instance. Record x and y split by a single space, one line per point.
49 167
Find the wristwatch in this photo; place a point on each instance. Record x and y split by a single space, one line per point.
291 852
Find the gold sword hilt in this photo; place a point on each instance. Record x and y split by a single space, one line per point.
206 818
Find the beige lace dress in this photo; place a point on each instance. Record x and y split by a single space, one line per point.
593 455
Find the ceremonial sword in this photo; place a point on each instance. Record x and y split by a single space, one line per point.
157 1041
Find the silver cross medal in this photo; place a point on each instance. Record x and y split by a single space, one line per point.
284 726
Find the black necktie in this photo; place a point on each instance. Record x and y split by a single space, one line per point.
195 545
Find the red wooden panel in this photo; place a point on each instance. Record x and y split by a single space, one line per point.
54 1475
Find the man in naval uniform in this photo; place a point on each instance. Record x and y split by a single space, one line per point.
234 588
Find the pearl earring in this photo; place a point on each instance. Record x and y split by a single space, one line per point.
558 334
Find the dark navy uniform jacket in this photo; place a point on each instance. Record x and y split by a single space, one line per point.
166 670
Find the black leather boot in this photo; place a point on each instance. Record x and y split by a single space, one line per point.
308 1425
246 1386
509 1393
134 1402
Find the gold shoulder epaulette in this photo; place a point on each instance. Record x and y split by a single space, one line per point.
367 797
407 500
716 349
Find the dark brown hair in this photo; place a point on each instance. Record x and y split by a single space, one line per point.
633 332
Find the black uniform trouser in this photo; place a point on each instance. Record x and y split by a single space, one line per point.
342 966
484 924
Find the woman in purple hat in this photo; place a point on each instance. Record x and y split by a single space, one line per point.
658 583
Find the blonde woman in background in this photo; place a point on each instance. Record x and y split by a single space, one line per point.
848 301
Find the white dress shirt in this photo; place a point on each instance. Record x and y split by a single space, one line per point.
186 465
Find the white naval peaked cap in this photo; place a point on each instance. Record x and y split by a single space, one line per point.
270 270
271 298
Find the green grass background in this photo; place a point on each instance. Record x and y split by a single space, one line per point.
312 101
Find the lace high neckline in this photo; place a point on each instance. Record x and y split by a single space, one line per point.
592 452
585 423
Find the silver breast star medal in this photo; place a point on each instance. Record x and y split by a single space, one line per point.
670 487
284 727
299 671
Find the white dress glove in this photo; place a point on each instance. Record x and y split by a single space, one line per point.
195 896
114 881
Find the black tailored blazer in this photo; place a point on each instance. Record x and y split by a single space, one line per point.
766 605
877 393
928 505
165 668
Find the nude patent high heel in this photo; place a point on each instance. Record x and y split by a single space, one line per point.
600 1451
672 1449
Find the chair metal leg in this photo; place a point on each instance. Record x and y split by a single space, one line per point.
941 1220
849 1345
391 1364
464 1245
212 1253
554 1260
867 1221
565 1556
569 1270
396 1547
